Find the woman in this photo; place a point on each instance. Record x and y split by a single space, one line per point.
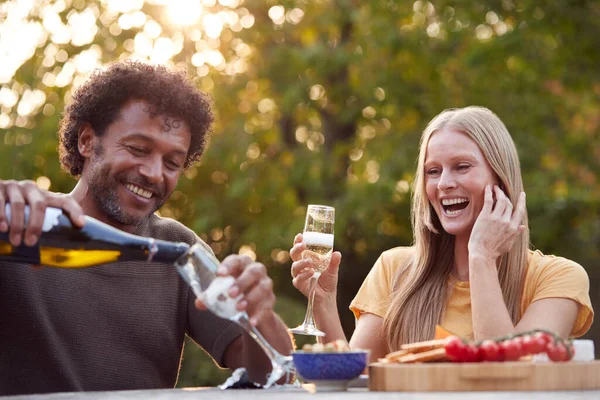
470 270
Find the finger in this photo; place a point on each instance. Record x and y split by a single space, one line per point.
69 206
234 265
301 265
300 281
297 250
3 220
304 276
252 275
37 213
200 305
501 202
298 238
519 213
260 296
508 211
17 214
334 264
488 201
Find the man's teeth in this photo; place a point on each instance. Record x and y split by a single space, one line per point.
449 202
139 191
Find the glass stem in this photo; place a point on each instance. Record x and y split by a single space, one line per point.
280 365
309 319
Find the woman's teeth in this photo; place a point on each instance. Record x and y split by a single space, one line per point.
454 206
449 202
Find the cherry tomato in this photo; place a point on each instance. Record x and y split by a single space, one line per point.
513 349
543 337
538 343
533 345
471 353
455 348
557 351
489 351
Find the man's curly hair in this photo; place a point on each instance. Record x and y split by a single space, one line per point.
99 101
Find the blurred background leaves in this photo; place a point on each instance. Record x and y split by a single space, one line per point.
323 101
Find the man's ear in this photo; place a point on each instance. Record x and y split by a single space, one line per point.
86 140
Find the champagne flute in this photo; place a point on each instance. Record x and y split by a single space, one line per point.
198 268
318 238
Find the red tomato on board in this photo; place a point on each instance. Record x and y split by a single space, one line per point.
455 348
489 351
513 349
557 351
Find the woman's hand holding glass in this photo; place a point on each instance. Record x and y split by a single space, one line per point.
498 225
302 270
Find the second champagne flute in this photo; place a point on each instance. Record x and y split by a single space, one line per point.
318 238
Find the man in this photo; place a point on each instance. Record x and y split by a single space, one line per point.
127 135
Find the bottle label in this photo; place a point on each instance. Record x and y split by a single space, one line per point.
50 219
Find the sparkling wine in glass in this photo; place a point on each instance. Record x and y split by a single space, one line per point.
318 238
198 268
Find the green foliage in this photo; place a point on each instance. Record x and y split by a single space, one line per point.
326 106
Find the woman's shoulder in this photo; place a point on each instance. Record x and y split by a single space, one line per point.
395 257
541 266
538 261
399 253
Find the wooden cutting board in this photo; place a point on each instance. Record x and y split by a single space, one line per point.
508 376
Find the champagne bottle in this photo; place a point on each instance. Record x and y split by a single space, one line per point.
62 245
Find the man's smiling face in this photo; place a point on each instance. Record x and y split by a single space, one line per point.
136 164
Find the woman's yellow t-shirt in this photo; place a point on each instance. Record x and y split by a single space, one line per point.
547 276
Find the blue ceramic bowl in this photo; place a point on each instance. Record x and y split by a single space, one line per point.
330 366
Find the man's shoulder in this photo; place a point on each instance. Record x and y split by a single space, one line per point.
168 229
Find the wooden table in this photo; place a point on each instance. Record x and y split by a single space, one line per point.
300 393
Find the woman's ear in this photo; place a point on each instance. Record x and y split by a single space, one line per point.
85 141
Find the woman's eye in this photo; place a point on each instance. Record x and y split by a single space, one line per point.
463 167
432 171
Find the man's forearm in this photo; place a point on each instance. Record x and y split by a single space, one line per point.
256 361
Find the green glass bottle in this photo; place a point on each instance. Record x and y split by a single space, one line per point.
64 246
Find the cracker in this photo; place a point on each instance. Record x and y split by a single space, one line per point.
425 356
427 345
393 356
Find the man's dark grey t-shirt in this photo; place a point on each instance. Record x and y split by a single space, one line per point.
110 327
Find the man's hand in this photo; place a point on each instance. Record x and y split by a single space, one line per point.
22 193
252 282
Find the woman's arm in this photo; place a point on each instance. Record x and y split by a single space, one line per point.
493 234
490 315
489 312
369 335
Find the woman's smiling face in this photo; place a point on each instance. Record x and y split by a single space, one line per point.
456 173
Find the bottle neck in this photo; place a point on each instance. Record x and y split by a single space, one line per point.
165 252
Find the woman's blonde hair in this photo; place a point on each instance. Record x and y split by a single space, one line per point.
422 286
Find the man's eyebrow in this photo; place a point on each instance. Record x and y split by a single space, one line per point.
138 136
